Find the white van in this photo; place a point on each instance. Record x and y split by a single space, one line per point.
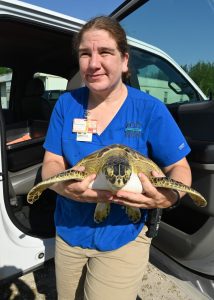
35 40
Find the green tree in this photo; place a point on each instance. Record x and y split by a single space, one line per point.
203 74
4 70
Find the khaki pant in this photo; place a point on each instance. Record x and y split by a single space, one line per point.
93 275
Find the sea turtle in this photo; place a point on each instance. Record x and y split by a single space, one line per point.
117 167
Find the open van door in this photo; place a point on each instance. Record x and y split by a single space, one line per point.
19 249
126 8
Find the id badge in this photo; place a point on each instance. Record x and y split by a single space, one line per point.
79 125
84 129
84 137
91 126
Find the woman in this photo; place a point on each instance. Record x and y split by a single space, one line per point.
114 253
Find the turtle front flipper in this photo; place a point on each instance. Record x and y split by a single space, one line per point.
102 210
37 190
164 182
69 174
133 213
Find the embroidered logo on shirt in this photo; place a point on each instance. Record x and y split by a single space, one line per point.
181 146
133 129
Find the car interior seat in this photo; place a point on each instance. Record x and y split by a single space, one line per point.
34 106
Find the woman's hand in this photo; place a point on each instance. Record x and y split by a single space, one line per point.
80 191
151 197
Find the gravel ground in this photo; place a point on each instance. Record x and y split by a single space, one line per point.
156 285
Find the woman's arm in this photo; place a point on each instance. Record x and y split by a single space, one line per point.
180 171
52 165
78 191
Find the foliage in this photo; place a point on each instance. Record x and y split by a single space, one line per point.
203 74
4 70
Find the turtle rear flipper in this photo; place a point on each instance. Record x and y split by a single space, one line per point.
133 213
102 210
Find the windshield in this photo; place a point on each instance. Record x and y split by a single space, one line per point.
81 9
174 27
156 76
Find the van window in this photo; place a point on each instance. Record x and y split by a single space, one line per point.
156 76
54 86
5 85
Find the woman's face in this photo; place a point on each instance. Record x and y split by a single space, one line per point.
101 63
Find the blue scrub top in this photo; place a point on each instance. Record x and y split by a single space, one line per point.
142 123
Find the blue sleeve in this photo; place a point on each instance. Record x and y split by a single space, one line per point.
166 142
53 140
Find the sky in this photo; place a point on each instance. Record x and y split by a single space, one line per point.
182 28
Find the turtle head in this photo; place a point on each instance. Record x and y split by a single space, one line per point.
117 171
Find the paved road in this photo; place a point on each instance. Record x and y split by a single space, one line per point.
156 285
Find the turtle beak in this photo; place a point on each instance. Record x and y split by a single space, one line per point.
120 182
